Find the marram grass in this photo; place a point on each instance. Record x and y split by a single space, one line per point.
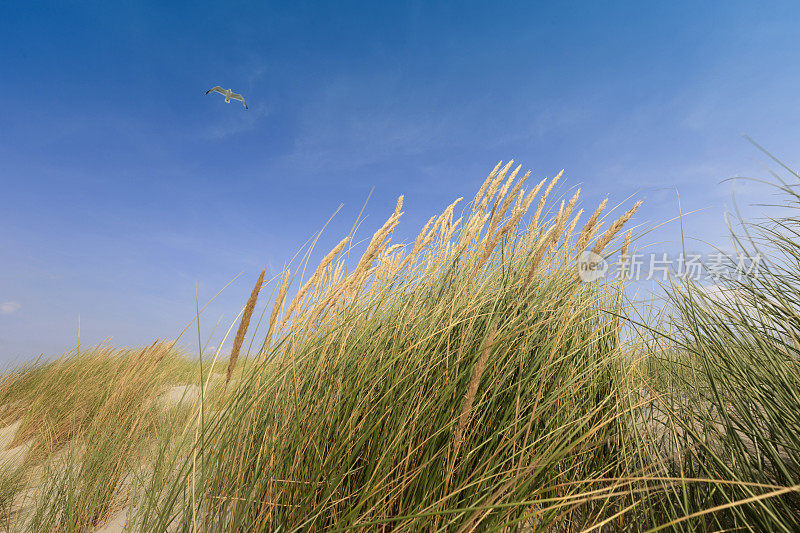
470 386
467 381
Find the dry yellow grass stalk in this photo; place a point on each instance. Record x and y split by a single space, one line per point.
495 184
498 215
472 390
389 266
377 243
623 254
623 263
558 225
571 226
508 226
486 183
317 288
562 219
472 230
515 194
520 196
275 310
543 200
357 283
609 234
541 247
418 243
451 229
384 263
526 205
388 263
532 195
313 279
317 309
507 184
589 228
243 325
331 288
446 224
437 227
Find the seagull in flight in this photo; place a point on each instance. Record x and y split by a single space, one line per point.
228 94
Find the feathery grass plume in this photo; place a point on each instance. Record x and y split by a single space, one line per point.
313 279
452 229
486 183
469 226
386 255
507 184
498 215
562 221
352 291
487 252
494 184
472 390
326 279
438 226
589 228
312 297
375 246
543 200
541 247
532 195
571 227
558 225
448 212
524 244
606 237
275 310
472 231
333 293
623 253
514 195
502 196
520 198
442 251
243 325
394 247
384 263
446 223
390 262
418 243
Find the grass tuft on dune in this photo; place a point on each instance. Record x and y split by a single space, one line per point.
469 380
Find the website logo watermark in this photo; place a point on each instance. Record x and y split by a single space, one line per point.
660 266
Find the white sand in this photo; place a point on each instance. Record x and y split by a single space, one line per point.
186 395
8 433
116 524
24 502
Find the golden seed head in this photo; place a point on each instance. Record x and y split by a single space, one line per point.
590 227
609 234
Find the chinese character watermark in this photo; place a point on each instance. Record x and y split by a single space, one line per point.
659 266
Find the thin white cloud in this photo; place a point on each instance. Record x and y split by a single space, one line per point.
9 307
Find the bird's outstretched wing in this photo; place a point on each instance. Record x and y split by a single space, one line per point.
236 96
217 89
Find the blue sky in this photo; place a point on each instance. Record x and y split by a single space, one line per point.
123 185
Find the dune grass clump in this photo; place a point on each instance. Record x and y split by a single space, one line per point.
730 403
88 420
61 400
467 380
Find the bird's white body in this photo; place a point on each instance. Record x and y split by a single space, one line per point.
228 94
